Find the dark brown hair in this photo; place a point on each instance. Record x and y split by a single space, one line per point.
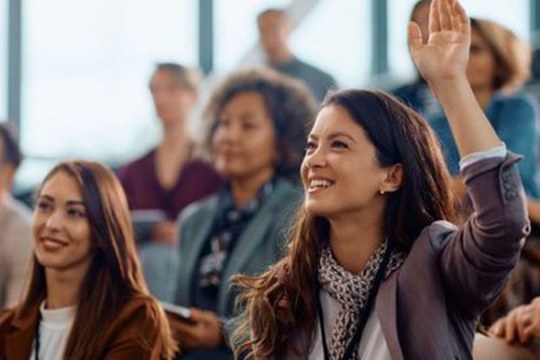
114 276
281 302
288 102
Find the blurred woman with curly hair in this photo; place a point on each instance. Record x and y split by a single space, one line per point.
257 126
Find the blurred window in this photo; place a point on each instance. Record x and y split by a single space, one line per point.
336 37
3 58
86 69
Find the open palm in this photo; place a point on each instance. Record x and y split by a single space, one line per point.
447 50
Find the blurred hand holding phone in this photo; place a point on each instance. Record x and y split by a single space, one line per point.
179 312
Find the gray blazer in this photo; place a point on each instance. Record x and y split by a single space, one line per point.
429 306
259 246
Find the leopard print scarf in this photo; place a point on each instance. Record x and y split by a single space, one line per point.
352 292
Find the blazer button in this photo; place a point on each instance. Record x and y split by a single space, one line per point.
508 185
510 195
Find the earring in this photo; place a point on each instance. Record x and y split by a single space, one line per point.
381 192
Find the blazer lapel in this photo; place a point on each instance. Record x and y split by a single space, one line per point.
250 239
385 308
192 249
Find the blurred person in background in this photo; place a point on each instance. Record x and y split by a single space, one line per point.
257 121
274 32
15 224
86 297
169 177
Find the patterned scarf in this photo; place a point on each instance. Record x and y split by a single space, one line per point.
352 292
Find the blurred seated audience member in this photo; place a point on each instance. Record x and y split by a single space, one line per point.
417 94
168 177
492 66
521 325
86 298
257 129
490 348
274 31
15 224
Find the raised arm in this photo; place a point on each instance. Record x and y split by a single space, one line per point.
443 62
476 258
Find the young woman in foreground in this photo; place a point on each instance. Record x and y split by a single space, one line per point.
371 271
86 297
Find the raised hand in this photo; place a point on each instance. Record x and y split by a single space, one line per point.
446 53
443 62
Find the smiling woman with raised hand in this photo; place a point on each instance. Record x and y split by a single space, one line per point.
86 297
373 270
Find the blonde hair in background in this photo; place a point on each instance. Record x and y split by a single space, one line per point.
512 55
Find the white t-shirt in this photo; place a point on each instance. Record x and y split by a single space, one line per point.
54 329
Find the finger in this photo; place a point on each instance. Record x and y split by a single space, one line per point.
528 333
444 15
187 335
454 23
497 329
522 321
434 25
208 316
464 24
510 328
197 315
182 327
414 35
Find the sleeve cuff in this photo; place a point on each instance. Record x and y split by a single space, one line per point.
496 152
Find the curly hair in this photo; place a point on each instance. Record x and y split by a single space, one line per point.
289 103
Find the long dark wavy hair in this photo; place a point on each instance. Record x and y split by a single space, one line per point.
281 303
114 276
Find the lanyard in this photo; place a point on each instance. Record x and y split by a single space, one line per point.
364 315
